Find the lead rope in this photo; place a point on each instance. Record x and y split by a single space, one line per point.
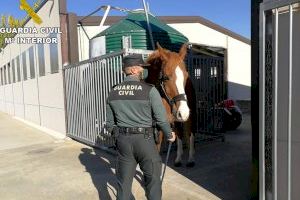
166 162
170 101
168 98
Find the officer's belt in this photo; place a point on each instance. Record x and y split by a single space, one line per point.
135 130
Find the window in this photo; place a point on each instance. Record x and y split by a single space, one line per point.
8 73
18 69
1 76
24 66
197 73
41 59
53 56
4 75
213 72
13 70
31 63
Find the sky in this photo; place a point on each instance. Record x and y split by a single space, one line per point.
231 14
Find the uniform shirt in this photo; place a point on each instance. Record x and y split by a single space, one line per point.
136 104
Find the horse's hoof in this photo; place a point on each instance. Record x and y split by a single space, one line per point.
190 164
177 164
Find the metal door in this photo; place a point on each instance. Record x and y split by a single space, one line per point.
207 75
279 100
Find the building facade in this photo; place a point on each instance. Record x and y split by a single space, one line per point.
31 75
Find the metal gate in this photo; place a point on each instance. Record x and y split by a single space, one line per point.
279 100
88 83
207 75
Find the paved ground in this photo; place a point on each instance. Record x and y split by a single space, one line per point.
224 168
34 165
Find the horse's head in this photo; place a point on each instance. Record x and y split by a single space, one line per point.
171 71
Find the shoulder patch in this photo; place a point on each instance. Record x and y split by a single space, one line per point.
151 85
148 84
114 86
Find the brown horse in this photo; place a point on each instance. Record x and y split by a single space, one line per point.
168 73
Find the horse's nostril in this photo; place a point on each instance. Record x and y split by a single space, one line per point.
179 115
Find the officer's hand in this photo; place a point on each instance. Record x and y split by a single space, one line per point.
172 137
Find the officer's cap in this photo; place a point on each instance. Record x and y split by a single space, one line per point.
134 60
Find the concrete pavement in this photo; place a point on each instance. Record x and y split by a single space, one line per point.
34 165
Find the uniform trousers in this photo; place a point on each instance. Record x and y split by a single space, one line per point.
136 149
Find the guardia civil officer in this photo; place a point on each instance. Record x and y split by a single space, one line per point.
131 107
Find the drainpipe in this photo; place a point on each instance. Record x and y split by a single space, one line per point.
148 24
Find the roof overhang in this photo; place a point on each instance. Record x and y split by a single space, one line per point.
95 21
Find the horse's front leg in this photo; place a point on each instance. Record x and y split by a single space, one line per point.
191 160
191 142
179 150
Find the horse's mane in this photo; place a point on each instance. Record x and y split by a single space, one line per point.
161 56
155 59
155 62
164 55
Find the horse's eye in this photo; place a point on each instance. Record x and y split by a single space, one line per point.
165 78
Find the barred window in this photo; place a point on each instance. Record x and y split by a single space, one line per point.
54 56
13 71
4 75
24 66
41 59
18 69
1 76
31 63
8 73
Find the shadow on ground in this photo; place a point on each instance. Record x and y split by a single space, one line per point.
96 164
222 168
101 167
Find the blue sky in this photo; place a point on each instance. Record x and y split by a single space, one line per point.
231 14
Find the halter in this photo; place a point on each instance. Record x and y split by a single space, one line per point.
180 97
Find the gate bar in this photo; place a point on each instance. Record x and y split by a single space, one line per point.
262 103
275 107
290 100
269 5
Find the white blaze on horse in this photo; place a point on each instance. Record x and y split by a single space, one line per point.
168 73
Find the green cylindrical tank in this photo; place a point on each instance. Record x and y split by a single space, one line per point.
135 26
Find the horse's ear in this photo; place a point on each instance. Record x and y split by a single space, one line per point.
162 52
158 45
183 51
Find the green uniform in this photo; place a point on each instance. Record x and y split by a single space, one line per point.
131 105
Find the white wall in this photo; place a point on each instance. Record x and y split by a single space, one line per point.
2 99
39 100
198 33
83 41
239 69
19 100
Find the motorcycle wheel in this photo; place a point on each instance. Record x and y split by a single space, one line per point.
234 120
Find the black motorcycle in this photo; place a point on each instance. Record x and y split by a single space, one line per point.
232 114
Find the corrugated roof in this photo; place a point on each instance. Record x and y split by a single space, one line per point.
95 20
135 22
135 26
